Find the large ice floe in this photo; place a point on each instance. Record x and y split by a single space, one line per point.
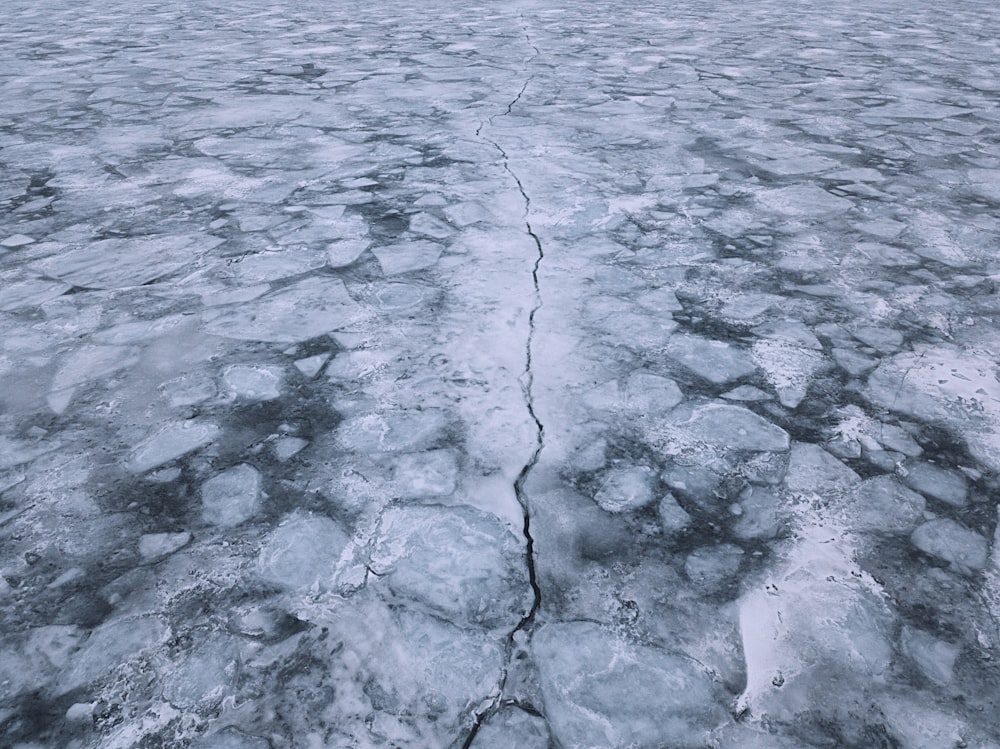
551 375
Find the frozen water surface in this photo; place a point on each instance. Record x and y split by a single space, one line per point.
538 374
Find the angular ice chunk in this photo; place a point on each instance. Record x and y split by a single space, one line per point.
273 266
715 361
458 562
188 389
710 567
28 664
673 517
918 724
917 110
16 240
885 340
942 484
110 645
91 363
651 395
746 306
203 676
953 543
311 365
798 165
852 362
803 200
791 332
935 658
747 394
391 431
945 385
642 331
661 300
170 442
789 368
512 728
464 214
302 553
730 427
232 497
882 504
115 263
304 310
30 293
603 691
814 622
892 437
400 296
253 382
407 256
285 448
625 489
699 483
345 251
644 396
155 546
812 469
410 673
761 514
430 226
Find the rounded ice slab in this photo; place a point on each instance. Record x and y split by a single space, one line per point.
625 489
603 691
302 553
457 562
304 310
253 382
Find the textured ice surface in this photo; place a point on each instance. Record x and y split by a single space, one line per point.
716 361
170 442
232 497
939 483
602 691
623 489
304 310
479 581
445 375
114 644
252 382
155 546
301 554
728 426
952 543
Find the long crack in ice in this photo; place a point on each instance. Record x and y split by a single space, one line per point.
527 380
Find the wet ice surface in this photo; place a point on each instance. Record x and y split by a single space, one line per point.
538 375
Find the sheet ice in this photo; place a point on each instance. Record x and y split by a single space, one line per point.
592 375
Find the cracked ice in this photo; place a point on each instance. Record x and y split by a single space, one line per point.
581 375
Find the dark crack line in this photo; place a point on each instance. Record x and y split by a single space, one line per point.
527 381
510 107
